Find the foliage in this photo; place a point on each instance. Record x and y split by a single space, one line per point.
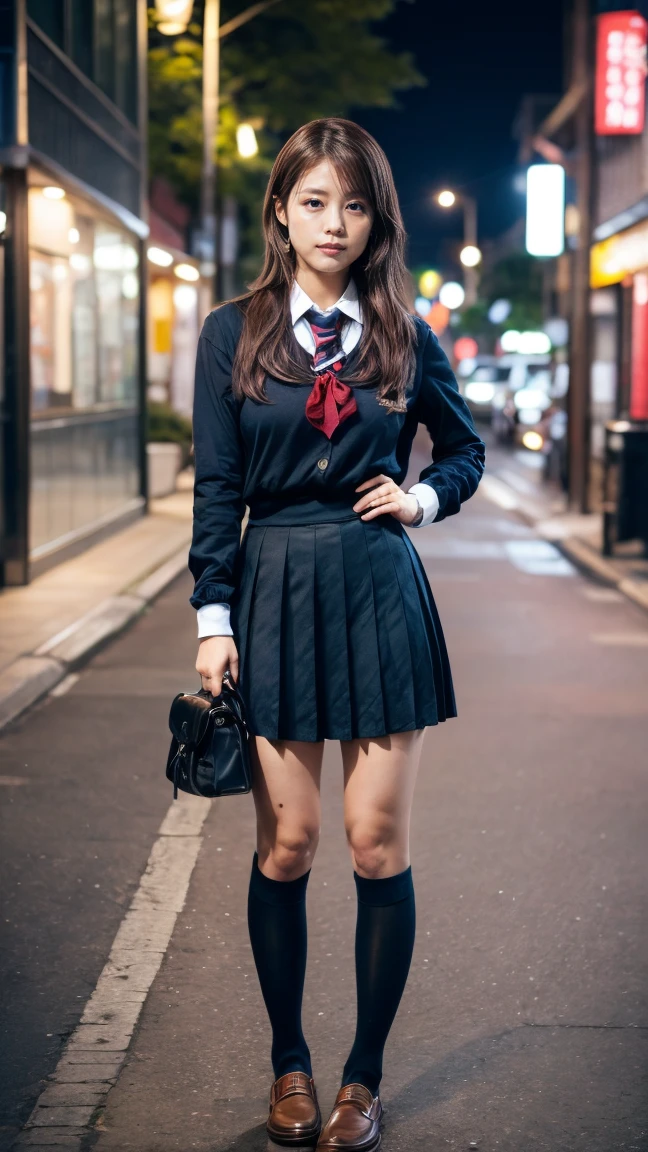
166 426
293 63
516 277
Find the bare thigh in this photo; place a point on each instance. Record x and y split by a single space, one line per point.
286 791
379 780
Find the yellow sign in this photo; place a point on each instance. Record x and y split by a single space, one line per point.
613 259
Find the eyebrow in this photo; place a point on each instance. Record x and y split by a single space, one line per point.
324 192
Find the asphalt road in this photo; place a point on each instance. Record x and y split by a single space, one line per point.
525 1021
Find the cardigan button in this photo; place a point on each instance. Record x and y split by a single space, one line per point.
322 464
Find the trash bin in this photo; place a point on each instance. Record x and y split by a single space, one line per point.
625 483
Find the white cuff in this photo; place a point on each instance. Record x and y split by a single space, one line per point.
214 620
428 500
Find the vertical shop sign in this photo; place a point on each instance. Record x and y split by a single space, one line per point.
639 363
620 74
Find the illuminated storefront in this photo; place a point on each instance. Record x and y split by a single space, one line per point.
74 246
619 268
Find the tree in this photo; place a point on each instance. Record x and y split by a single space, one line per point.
518 278
295 62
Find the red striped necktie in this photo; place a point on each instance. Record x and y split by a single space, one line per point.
330 401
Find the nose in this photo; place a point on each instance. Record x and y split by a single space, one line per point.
334 221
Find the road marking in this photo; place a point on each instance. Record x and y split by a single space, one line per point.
602 595
500 493
517 482
65 684
91 1060
621 639
538 558
454 548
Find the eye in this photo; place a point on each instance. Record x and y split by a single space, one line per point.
356 206
312 202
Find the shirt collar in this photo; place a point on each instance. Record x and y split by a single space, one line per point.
349 303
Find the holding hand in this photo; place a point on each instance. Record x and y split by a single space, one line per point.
387 497
215 655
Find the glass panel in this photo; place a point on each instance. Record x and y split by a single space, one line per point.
104 70
50 307
82 35
126 57
84 313
84 317
50 16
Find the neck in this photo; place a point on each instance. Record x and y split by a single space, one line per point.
324 290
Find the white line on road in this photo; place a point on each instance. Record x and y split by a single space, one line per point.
602 595
90 1062
65 684
538 558
498 492
621 639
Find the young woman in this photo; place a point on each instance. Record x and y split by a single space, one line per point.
309 390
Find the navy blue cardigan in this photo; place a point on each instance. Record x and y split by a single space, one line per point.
270 457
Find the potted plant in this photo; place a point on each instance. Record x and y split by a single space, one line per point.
168 448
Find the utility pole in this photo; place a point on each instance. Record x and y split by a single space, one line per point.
578 400
210 96
469 205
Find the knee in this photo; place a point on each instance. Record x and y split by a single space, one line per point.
372 847
291 852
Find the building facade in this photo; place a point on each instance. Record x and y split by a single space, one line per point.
74 222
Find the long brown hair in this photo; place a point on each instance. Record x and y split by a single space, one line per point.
267 344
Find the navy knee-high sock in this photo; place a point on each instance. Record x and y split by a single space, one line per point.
384 942
277 926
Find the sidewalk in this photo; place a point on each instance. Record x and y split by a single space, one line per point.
515 488
53 624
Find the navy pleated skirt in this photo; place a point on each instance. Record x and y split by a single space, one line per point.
337 632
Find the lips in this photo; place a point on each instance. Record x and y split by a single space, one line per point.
331 247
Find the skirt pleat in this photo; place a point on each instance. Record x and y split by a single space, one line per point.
338 634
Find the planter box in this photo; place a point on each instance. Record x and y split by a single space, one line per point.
164 463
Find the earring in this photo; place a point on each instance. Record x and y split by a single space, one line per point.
287 245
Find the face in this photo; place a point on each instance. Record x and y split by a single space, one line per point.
328 228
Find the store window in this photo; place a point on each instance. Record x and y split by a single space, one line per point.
100 36
84 321
50 16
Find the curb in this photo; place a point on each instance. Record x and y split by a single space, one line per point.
589 562
30 677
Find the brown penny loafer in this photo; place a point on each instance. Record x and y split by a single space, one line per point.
354 1123
295 1118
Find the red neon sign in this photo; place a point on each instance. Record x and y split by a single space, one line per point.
620 74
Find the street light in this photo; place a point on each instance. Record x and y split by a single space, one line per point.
470 256
174 17
447 199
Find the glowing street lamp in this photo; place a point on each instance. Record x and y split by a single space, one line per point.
173 16
470 256
246 141
446 198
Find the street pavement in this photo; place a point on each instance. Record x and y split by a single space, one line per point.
524 1024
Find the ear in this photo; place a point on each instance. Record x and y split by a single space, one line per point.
280 212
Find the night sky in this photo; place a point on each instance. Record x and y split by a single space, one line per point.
479 60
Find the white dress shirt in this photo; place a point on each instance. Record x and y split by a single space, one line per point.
214 619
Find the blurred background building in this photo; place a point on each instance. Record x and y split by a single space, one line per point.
73 200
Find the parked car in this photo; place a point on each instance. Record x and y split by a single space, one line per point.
480 388
520 406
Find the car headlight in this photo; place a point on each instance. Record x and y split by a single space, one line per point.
479 391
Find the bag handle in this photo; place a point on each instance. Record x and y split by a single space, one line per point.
229 684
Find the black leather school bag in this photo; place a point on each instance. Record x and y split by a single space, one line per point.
209 754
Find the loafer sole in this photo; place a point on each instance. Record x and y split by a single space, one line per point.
351 1147
286 1140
